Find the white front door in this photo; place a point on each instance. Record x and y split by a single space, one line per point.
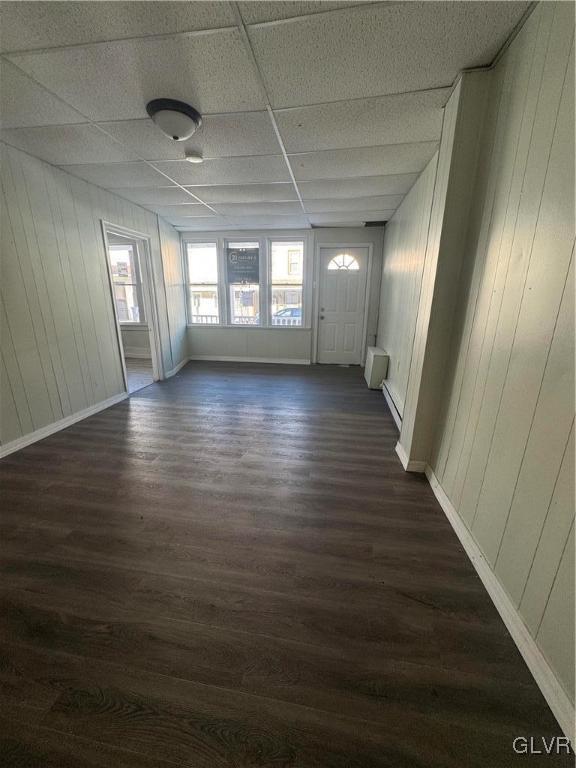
342 304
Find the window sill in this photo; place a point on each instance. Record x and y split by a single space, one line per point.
134 326
252 327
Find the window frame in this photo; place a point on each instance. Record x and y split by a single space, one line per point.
142 321
305 314
262 281
218 283
264 241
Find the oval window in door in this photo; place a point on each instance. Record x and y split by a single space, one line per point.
344 261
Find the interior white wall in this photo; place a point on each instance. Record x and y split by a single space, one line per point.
504 451
404 251
174 291
60 352
286 344
136 341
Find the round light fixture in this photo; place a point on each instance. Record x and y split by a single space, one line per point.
174 118
193 157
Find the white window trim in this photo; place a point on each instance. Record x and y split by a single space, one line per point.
138 284
265 244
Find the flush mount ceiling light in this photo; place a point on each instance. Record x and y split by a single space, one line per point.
174 118
193 157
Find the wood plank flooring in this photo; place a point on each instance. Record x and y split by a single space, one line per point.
139 373
232 569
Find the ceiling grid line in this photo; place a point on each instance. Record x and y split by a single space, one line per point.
115 140
248 45
313 113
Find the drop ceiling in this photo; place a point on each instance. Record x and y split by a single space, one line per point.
314 113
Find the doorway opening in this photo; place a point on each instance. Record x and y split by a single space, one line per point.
132 291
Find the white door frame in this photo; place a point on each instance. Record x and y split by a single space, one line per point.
318 277
148 294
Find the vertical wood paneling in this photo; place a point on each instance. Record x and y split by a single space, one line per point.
175 290
10 427
552 542
523 351
504 451
488 254
543 454
405 239
556 633
58 338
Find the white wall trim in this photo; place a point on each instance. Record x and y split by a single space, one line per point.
56 426
275 360
392 408
137 352
178 367
552 690
409 466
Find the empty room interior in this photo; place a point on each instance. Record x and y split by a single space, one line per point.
287 384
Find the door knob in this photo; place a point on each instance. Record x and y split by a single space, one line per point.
321 317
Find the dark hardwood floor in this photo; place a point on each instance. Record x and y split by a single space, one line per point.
232 569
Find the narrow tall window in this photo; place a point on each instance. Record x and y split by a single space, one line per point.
202 259
127 283
287 279
243 276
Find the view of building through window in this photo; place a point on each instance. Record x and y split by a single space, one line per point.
243 273
203 283
287 276
127 284
233 294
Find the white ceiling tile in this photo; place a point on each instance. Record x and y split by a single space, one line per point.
232 170
111 175
26 25
271 222
59 144
364 122
350 218
379 49
237 134
347 205
367 161
234 210
23 103
257 11
190 209
366 186
114 81
154 195
247 193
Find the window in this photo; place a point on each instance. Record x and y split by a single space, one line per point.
127 283
243 276
254 283
344 261
286 278
202 259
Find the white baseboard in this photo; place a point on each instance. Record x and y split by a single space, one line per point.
391 407
67 421
275 360
552 690
177 368
137 352
409 466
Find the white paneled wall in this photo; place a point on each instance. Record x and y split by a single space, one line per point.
504 453
58 339
405 239
174 291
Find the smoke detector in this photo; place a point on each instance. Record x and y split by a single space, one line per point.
174 118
